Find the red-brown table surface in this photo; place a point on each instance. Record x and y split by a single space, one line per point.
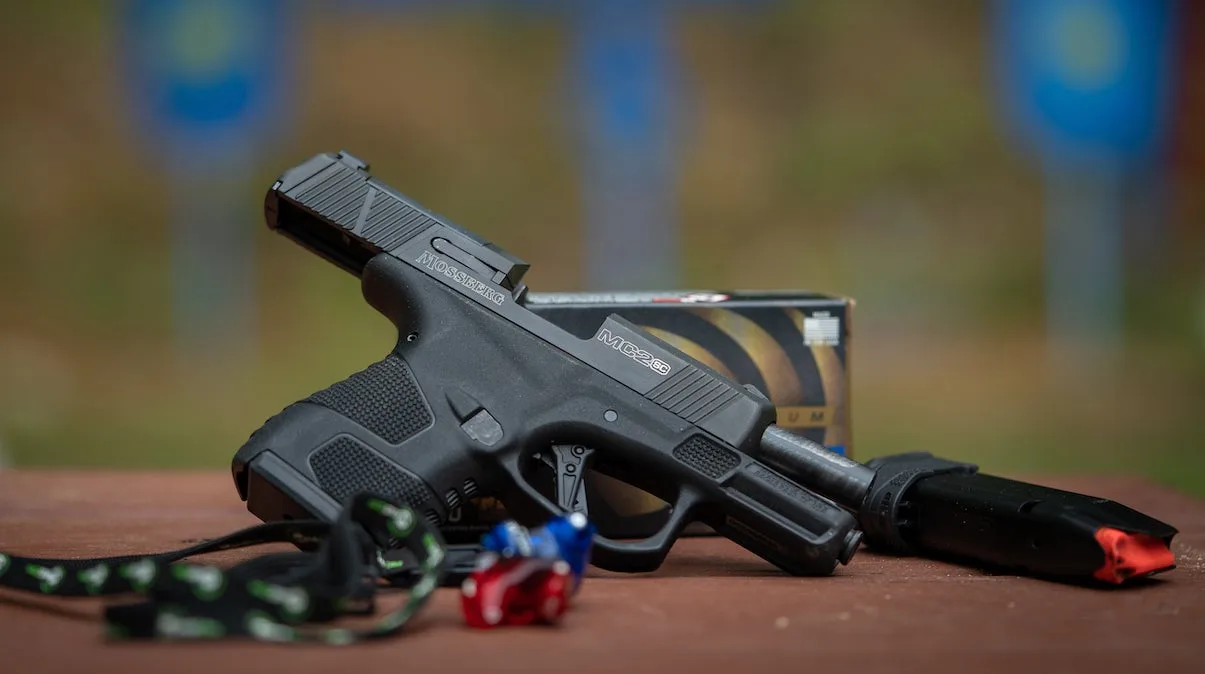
711 608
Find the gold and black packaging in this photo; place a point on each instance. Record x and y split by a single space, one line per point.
793 346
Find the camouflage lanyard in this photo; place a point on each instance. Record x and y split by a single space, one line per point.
276 597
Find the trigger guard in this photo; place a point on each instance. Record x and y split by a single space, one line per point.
608 554
646 554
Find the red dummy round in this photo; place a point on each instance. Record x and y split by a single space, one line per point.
515 591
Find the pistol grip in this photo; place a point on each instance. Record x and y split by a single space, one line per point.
317 454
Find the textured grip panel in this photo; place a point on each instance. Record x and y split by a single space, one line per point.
384 398
345 467
692 394
707 457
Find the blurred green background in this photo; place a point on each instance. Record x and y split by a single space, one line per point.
853 148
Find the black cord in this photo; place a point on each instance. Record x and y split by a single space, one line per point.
283 597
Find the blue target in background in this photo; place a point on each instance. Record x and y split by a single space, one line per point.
207 78
1086 80
207 83
626 81
1086 86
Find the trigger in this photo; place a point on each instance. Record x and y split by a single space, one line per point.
570 469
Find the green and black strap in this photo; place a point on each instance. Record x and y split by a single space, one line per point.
278 597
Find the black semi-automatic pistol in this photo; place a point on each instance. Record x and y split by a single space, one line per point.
479 390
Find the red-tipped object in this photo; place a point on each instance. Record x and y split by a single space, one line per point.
1129 555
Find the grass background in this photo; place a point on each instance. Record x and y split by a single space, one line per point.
851 148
